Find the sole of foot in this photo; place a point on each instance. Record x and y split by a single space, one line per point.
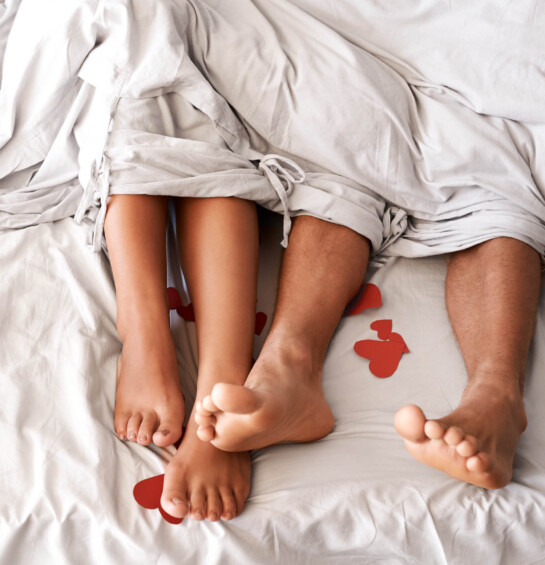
474 446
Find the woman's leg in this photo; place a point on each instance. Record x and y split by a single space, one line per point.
149 403
218 247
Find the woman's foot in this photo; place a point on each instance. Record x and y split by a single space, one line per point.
149 405
475 443
203 482
281 401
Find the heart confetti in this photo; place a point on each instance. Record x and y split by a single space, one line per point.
370 298
260 321
384 355
383 328
174 300
148 494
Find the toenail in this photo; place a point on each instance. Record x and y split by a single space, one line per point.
176 501
121 436
198 515
164 432
213 516
228 516
132 435
143 438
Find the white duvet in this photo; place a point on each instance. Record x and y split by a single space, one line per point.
419 126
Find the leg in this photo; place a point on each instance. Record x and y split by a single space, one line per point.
149 401
218 245
282 399
492 292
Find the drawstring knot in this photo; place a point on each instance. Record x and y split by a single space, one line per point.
282 173
96 194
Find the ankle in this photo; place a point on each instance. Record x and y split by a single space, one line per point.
499 380
297 354
146 324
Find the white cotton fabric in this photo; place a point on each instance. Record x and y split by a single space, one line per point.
354 498
428 111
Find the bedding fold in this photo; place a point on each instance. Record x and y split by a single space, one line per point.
377 120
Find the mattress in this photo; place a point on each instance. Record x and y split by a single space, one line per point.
355 497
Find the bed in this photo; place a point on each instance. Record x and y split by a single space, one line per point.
354 497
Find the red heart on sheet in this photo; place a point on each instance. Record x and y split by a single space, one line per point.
186 312
174 300
370 298
148 494
398 339
384 355
260 321
383 328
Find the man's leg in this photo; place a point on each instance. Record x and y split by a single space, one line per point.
282 399
492 293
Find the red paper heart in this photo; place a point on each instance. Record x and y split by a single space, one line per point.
383 328
398 339
260 321
186 312
148 494
384 356
174 300
370 298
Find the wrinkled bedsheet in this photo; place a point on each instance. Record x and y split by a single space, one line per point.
356 497
421 126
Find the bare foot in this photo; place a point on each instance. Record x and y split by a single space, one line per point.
475 443
203 482
149 404
281 401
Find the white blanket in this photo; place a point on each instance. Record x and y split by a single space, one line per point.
356 497
431 110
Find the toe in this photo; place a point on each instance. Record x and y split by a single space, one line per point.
201 410
453 436
204 420
467 447
134 426
241 494
409 422
214 507
206 433
198 504
174 498
477 463
120 424
146 429
234 398
208 404
175 504
229 504
167 433
434 430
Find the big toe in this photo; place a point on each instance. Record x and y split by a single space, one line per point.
409 422
168 433
234 398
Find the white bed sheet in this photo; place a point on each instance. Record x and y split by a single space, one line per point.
355 497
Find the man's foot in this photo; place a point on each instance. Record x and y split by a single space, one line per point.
149 405
281 401
475 443
203 482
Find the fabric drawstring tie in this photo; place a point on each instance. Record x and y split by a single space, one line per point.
278 169
96 194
